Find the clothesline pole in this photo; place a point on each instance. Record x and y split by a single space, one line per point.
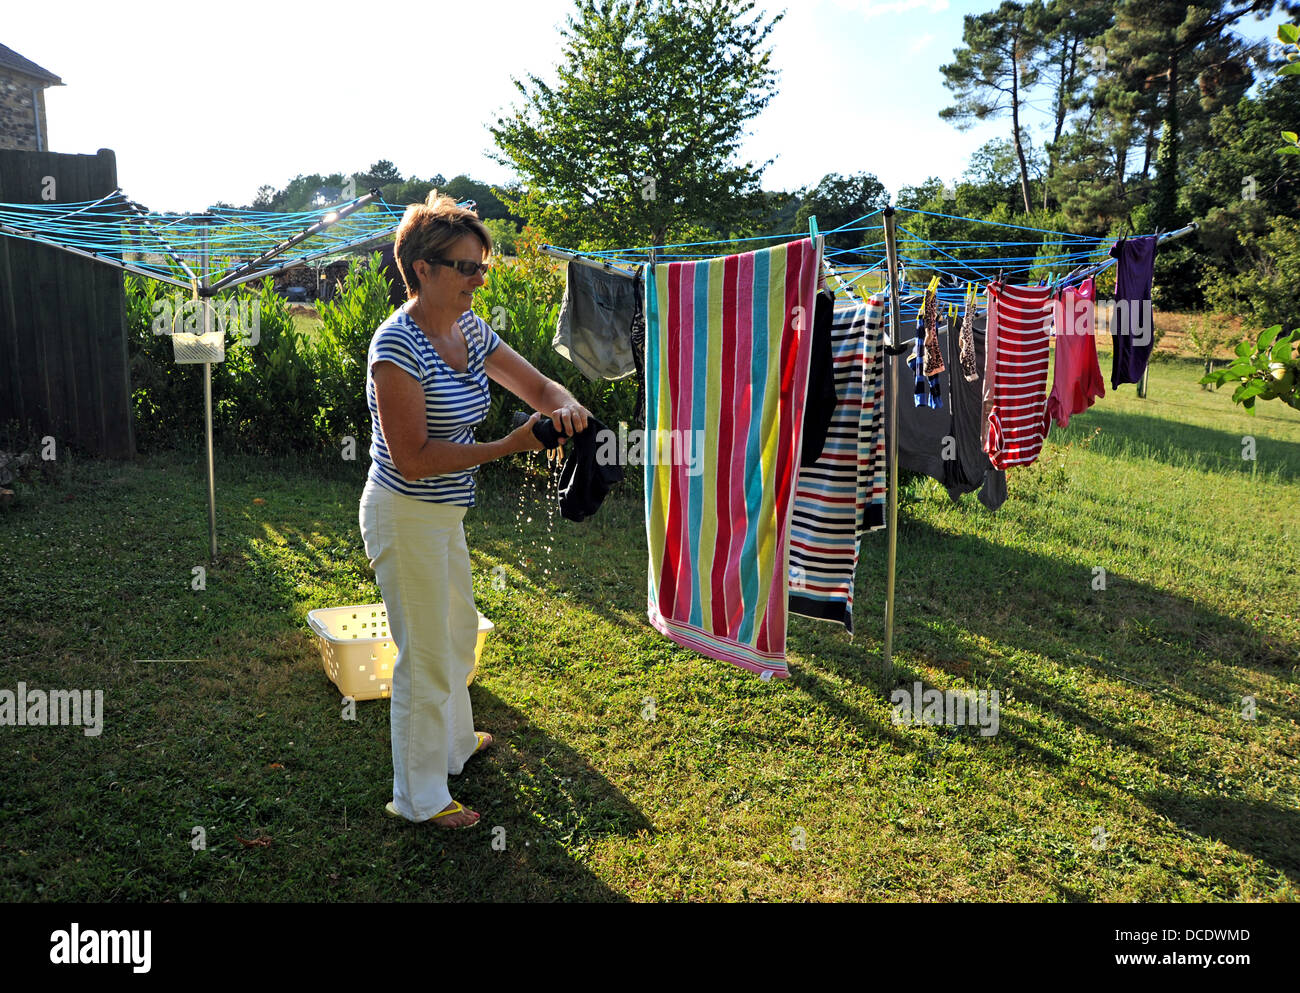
5 229
332 217
560 253
320 253
895 321
202 290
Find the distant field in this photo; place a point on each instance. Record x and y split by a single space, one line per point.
305 321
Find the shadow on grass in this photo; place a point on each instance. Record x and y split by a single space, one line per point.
540 800
993 616
948 584
956 594
1267 832
1149 436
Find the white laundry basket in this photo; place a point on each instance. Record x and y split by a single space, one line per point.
357 652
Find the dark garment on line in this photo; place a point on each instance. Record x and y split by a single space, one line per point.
819 403
584 482
638 358
544 430
1132 327
594 331
926 390
923 438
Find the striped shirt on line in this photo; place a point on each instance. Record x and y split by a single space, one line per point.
1015 386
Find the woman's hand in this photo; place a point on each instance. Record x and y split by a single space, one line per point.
570 418
522 439
508 368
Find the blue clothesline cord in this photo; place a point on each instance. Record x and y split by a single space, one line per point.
645 249
1000 224
922 241
117 228
857 220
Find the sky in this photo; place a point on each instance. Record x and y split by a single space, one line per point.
200 109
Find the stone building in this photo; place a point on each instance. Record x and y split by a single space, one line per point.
22 102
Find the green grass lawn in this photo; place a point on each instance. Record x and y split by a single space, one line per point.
1123 768
308 327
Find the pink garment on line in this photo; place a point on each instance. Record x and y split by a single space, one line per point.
1076 382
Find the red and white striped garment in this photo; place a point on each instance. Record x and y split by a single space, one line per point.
1015 373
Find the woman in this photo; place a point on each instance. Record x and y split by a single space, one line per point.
426 385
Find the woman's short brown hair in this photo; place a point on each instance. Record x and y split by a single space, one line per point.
428 228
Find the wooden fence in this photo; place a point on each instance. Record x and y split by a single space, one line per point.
63 346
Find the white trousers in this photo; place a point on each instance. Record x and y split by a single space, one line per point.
421 562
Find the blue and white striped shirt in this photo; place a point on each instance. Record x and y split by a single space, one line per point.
454 402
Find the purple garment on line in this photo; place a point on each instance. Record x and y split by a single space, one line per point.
1132 326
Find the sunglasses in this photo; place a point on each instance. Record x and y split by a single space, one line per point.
466 267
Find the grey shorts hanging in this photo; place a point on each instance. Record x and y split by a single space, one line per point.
595 326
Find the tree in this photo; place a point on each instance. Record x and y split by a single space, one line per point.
838 200
505 235
994 164
1238 166
489 205
1267 370
639 138
381 173
414 190
1068 29
993 73
306 192
779 214
1289 36
1091 171
1180 56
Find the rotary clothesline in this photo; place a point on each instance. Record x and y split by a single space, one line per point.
117 231
1086 256
206 252
955 261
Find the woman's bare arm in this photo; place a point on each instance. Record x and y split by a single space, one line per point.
511 370
400 399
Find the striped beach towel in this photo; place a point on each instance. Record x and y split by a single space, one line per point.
728 343
832 497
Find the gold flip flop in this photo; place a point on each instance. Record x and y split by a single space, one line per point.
458 808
